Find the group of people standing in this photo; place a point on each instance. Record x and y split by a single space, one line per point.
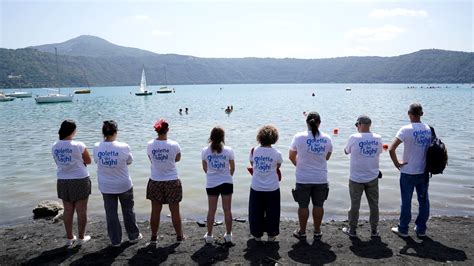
309 152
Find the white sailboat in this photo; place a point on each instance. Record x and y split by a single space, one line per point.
165 88
20 93
143 87
55 97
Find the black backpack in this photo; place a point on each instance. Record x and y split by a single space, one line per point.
436 156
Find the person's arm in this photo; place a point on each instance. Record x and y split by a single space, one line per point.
130 157
178 157
232 167
204 166
328 156
393 153
278 165
86 157
292 156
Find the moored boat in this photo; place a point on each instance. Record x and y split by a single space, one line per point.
4 98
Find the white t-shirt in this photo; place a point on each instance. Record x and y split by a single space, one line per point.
162 154
416 138
265 160
365 149
311 166
68 157
112 159
218 168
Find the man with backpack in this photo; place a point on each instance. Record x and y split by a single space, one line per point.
416 138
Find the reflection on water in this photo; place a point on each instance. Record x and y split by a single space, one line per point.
28 130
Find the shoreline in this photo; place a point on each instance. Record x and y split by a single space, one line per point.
40 241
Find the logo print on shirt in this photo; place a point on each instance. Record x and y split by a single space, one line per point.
108 158
160 155
317 146
263 163
422 138
63 155
217 161
368 148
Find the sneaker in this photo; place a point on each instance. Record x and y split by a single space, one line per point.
180 239
349 232
209 239
86 238
418 234
258 239
395 231
228 238
299 235
271 238
116 245
374 233
317 236
139 237
70 242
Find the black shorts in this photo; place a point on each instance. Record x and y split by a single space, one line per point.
72 190
222 189
317 192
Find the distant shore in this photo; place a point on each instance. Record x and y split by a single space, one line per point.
449 240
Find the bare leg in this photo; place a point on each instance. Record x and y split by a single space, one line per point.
226 206
303 215
155 218
176 218
318 213
81 210
68 217
211 213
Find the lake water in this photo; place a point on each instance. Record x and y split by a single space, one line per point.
27 131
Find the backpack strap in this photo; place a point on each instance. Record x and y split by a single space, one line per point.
433 133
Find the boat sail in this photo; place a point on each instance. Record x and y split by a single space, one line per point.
143 87
55 97
165 88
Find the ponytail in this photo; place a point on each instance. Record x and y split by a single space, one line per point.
313 120
217 139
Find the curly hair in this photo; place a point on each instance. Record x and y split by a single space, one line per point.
267 135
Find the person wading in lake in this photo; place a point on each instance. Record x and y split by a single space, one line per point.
219 166
74 185
309 152
365 148
164 186
416 137
112 158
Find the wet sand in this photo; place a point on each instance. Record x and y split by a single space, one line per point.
449 240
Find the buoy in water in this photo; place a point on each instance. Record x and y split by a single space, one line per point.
385 146
335 131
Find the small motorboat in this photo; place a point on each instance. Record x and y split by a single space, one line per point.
348 89
4 98
19 94
82 91
164 89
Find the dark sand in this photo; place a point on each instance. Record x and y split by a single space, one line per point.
450 240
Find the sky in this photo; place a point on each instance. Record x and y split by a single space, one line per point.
257 28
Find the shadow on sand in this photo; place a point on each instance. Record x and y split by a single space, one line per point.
373 249
152 255
105 256
54 256
430 249
262 253
317 253
211 253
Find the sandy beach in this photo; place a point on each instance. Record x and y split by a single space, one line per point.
448 240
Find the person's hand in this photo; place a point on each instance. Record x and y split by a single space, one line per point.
400 164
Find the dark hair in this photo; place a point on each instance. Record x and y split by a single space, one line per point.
415 109
313 120
217 139
67 128
267 135
109 128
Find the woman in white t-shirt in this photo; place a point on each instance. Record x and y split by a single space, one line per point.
74 185
219 166
264 200
309 152
164 186
112 158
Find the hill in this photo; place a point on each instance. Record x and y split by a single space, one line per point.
107 64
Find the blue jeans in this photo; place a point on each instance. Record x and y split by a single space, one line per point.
408 183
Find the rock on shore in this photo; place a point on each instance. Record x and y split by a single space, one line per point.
449 240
